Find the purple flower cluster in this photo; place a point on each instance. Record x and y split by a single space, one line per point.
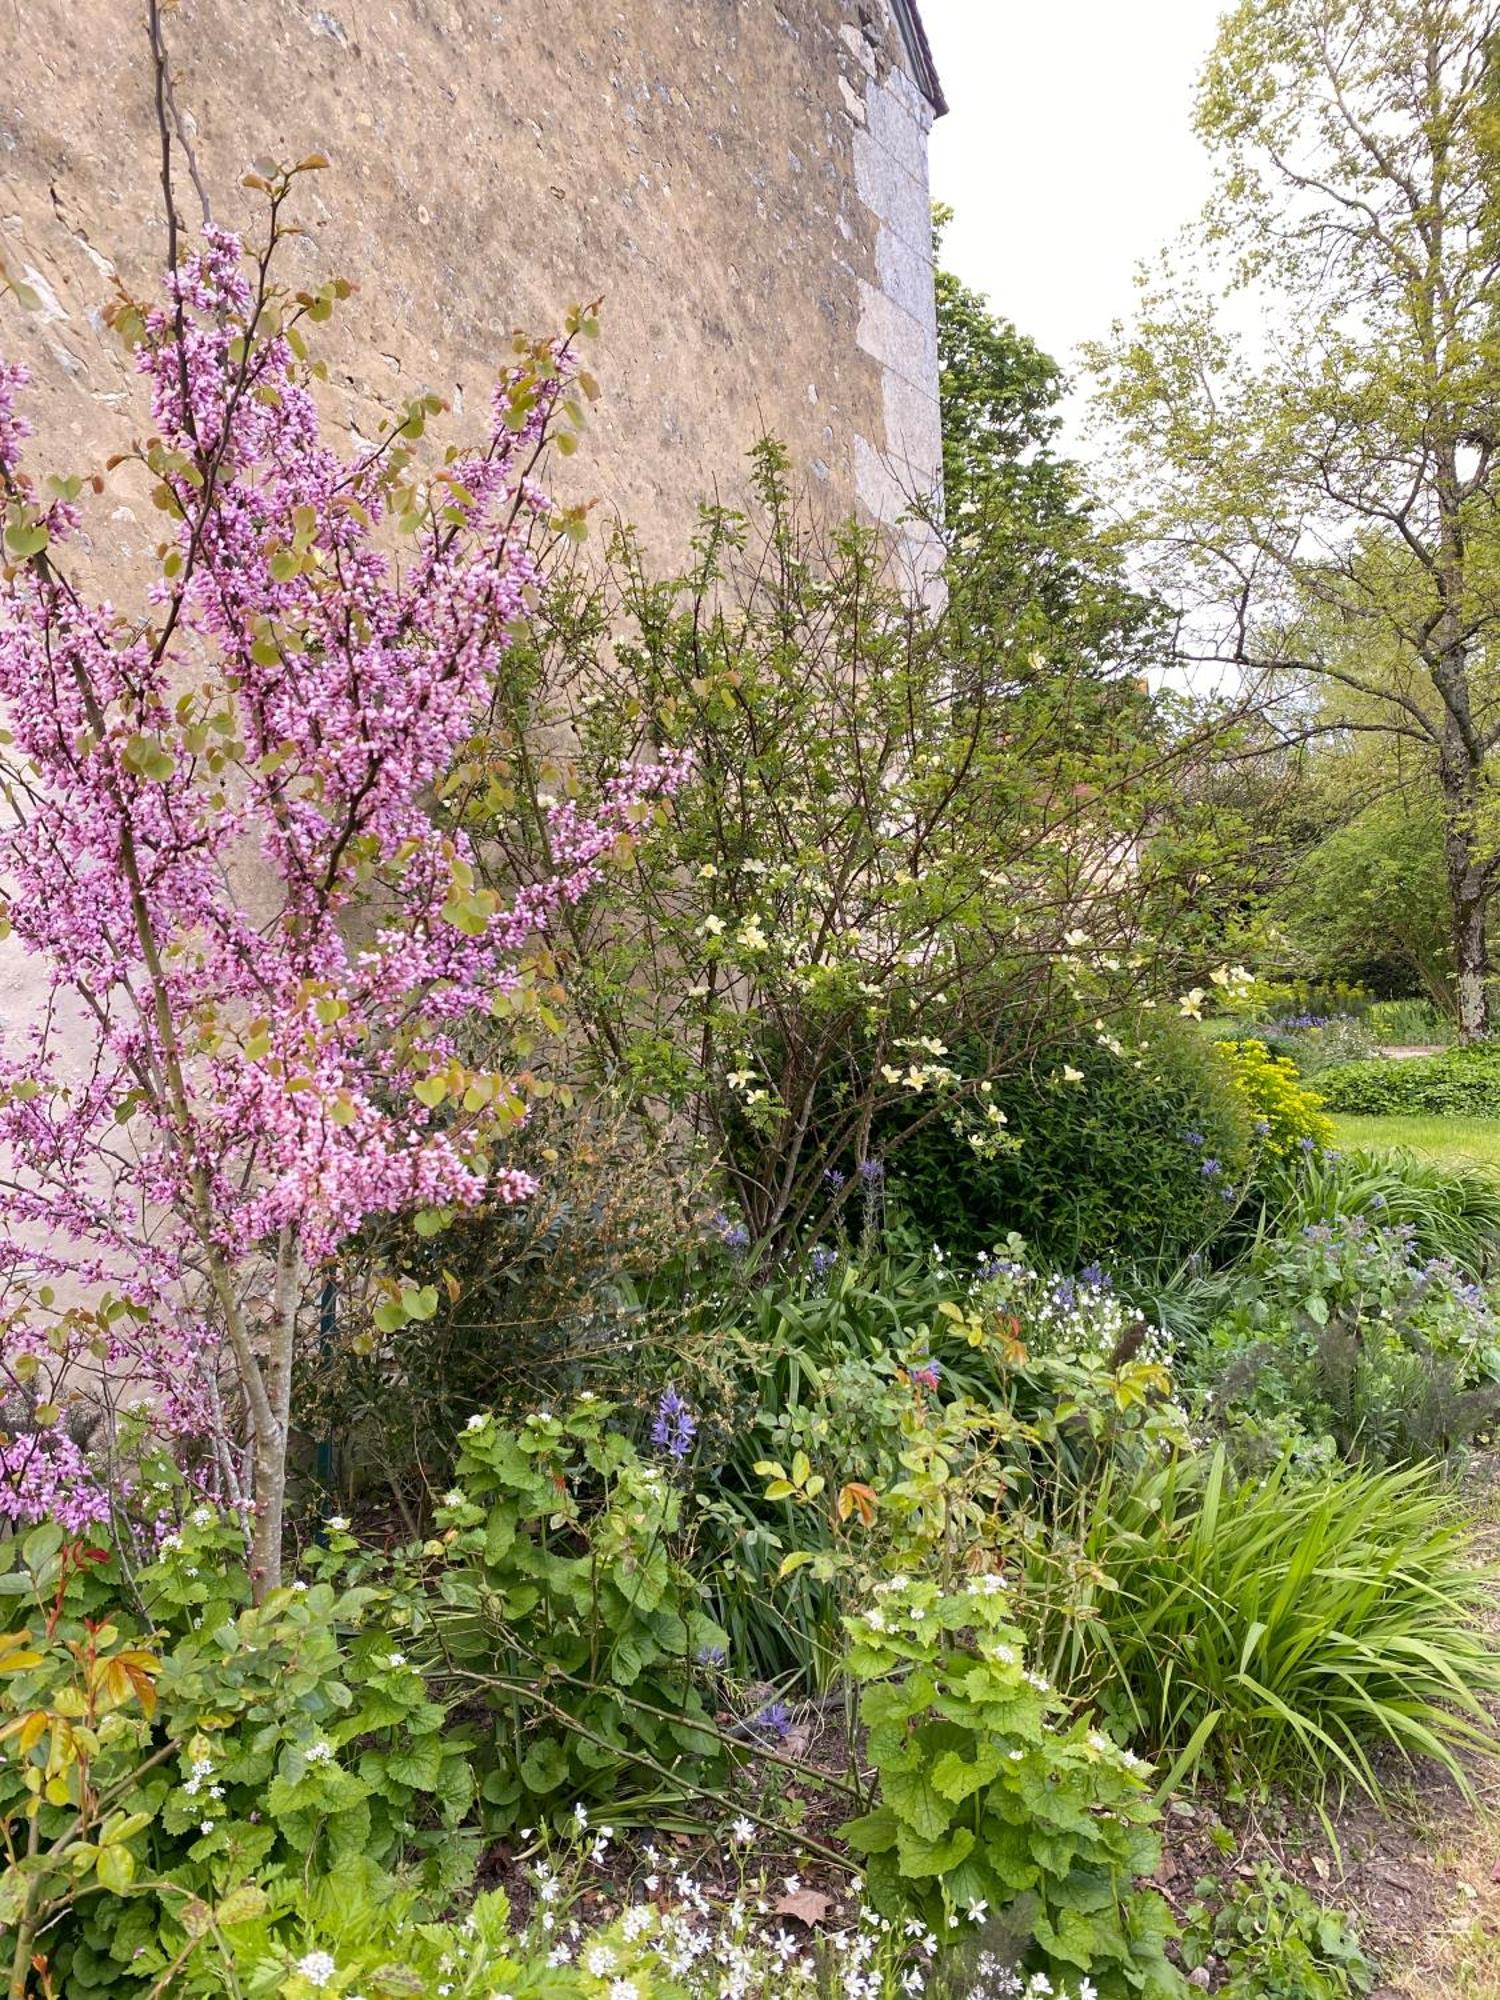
674 1426
775 1719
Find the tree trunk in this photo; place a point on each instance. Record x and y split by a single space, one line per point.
271 1440
1469 900
1471 952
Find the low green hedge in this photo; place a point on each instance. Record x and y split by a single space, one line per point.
1460 1083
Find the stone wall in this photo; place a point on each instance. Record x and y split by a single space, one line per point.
744 182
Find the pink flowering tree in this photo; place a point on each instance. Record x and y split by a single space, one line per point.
273 1001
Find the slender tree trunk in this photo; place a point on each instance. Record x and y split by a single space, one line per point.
1469 902
271 1439
1461 763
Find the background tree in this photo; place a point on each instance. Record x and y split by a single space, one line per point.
1322 499
1054 580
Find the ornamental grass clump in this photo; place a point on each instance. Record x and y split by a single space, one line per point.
1313 1630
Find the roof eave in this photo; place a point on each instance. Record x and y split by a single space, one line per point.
920 51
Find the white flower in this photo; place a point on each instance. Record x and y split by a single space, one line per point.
559 1955
203 1517
714 926
395 1660
338 1524
623 1989
598 1960
478 1421
977 1911
320 1752
317 1968
580 1815
453 1497
743 1830
300 1584
1071 1075
207 1826
707 872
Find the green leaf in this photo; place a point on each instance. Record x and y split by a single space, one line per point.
417 1763
148 756
545 1765
956 1778
116 1868
913 1799
25 540
875 1833
920 1857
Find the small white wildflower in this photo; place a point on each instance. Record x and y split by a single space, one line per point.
339 1523
203 1517
394 1661
598 1960
559 1955
318 1968
453 1497
580 1815
742 1831
320 1752
300 1584
478 1421
623 1989
207 1826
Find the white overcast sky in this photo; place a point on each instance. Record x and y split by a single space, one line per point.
1068 151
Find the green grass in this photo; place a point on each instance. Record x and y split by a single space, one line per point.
1456 1142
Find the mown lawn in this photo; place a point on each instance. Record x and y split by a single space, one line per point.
1460 1142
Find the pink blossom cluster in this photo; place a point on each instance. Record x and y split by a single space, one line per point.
219 840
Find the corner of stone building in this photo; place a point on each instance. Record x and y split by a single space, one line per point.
897 329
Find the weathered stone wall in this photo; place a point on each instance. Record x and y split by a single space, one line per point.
744 182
